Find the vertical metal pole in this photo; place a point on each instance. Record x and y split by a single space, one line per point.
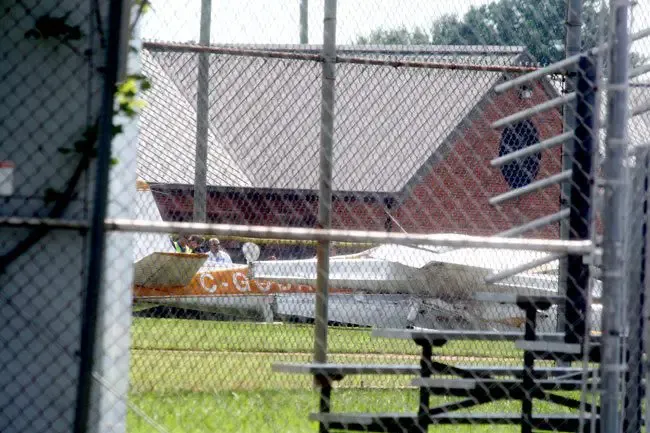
572 47
528 378
325 193
325 384
202 118
636 252
645 288
614 216
426 369
304 21
577 283
117 25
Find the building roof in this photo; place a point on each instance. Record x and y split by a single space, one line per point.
265 115
167 140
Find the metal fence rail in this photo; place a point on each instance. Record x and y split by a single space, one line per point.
303 234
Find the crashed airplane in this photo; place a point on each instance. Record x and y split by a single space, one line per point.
386 286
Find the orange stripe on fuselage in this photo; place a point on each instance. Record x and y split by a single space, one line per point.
232 281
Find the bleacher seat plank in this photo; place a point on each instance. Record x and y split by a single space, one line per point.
345 369
464 387
435 335
499 370
555 422
384 422
332 369
448 384
549 347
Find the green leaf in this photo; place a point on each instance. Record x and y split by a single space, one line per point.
137 76
128 86
117 129
146 84
138 104
126 109
145 5
114 161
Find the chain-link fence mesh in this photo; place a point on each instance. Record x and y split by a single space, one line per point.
449 120
51 92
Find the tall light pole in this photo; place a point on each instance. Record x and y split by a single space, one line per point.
202 118
325 184
304 22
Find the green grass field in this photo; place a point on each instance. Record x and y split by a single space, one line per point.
204 376
178 334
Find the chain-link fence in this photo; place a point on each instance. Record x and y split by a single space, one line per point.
58 72
364 216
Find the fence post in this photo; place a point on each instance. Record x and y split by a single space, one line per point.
638 211
325 192
202 118
117 32
614 216
572 47
580 211
645 283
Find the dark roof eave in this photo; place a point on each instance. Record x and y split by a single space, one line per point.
265 190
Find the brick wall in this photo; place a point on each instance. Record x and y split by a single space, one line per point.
453 196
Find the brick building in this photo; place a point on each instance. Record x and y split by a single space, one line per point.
412 146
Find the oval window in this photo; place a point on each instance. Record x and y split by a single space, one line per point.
521 171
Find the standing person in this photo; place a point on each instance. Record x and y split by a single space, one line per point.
196 243
182 245
217 254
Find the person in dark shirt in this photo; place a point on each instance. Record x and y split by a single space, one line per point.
196 243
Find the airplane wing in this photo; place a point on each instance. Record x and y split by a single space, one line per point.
167 269
367 274
417 270
156 263
422 270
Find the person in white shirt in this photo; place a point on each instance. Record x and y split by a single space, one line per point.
217 254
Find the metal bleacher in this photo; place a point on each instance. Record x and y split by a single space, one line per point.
474 385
